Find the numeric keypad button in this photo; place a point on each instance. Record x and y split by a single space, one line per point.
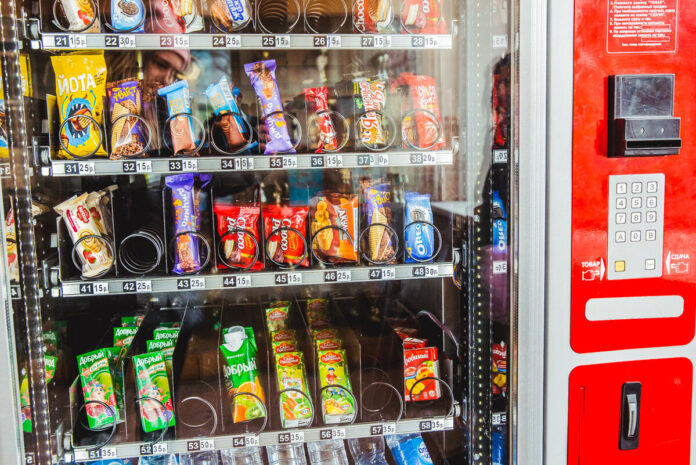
636 202
652 187
636 188
620 218
621 188
621 203
650 235
635 236
636 217
651 202
651 217
620 236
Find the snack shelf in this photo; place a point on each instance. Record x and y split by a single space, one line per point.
96 167
72 41
296 277
361 430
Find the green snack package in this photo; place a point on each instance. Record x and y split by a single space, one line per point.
115 357
167 348
169 324
279 303
241 374
165 333
151 377
324 333
49 367
297 408
283 335
97 385
337 404
123 335
134 320
25 402
284 346
50 340
277 318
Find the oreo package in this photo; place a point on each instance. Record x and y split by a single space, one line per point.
420 241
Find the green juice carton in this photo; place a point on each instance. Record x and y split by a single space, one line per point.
167 348
241 374
98 385
165 333
123 335
337 402
115 365
296 407
153 383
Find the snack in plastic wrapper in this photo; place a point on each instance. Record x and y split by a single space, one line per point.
230 15
277 318
283 335
419 237
284 346
94 254
499 368
286 246
187 255
317 98
373 16
184 138
332 244
370 97
125 99
380 239
297 408
263 80
428 128
239 248
224 105
418 364
177 16
422 17
127 15
337 403
80 14
81 87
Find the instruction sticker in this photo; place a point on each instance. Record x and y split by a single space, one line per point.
642 26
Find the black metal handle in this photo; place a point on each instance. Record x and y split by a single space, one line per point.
630 416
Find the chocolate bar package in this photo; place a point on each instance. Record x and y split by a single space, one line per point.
184 140
225 106
230 15
334 227
186 253
125 99
370 97
263 80
317 99
419 238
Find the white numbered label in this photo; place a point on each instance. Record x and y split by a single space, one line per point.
100 288
295 278
189 165
425 271
78 41
143 166
282 41
500 156
499 267
243 281
181 41
334 161
382 41
500 41
159 448
126 41
80 168
334 41
197 283
233 41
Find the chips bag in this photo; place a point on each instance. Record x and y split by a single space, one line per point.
286 246
332 244
81 87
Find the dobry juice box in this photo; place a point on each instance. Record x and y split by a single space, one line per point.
123 335
337 403
297 408
241 374
421 363
167 348
98 385
151 377
165 333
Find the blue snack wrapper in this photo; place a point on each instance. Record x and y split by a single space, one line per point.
179 103
420 241
127 15
223 101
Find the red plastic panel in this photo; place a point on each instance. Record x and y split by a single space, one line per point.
665 413
591 169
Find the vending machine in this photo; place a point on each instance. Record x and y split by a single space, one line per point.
250 232
620 311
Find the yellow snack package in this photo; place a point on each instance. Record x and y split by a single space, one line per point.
81 88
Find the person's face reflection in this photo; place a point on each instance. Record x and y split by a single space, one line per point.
163 66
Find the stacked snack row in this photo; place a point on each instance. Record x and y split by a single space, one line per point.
81 88
225 16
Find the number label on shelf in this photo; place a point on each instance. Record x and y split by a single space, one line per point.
29 458
245 441
382 273
385 428
436 424
166 41
500 156
321 41
334 161
137 286
236 281
417 41
137 166
86 454
317 161
291 438
337 276
80 167
500 267
189 165
14 291
423 158
367 41
499 418
288 278
94 288
500 41
283 162
227 41
200 445
371 159
382 41
277 41
425 271
119 41
332 433
237 164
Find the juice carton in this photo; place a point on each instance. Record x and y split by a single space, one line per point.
421 363
151 377
165 333
167 348
297 408
98 385
241 374
337 403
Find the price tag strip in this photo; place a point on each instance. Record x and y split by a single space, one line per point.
256 280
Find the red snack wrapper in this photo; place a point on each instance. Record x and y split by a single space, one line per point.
499 368
403 332
419 364
286 247
414 343
239 248
317 97
424 97
423 17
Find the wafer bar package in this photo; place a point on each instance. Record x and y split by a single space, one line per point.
80 88
428 123
184 138
419 237
230 15
224 105
370 97
317 99
381 241
263 80
127 15
373 16
241 222
80 14
286 246
187 255
332 212
125 99
94 254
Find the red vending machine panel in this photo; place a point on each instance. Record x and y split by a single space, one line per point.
636 413
634 165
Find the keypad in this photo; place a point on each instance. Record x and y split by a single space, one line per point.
636 221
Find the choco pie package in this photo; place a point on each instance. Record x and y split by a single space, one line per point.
263 80
237 227
80 88
285 229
